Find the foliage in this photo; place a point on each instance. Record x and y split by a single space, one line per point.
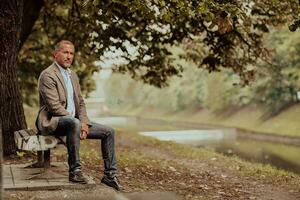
274 88
195 89
141 32
151 26
279 81
36 53
220 94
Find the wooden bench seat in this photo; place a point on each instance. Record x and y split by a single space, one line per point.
29 140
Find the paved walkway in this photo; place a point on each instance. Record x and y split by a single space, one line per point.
20 177
36 182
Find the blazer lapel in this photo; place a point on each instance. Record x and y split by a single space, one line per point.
76 100
60 77
73 81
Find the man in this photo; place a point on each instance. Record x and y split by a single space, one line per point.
63 113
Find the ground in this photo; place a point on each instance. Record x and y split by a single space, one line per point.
149 165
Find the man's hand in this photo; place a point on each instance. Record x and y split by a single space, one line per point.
84 131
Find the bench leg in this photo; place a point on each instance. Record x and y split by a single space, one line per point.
40 159
43 160
47 159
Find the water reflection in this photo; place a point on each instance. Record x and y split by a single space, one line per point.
192 136
278 155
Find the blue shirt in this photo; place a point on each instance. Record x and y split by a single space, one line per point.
66 73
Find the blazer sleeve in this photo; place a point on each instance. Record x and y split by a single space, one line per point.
48 91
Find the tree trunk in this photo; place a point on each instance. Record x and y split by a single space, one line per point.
11 108
1 166
31 13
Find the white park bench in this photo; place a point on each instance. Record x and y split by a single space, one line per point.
29 140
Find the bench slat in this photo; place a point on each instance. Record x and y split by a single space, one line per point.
27 139
32 132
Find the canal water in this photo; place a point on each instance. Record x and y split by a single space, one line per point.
222 140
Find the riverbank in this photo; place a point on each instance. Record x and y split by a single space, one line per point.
147 164
197 173
249 119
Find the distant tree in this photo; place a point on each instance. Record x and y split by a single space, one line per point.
279 80
141 30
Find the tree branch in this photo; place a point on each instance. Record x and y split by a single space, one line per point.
31 13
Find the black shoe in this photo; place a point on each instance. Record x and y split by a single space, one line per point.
112 181
77 177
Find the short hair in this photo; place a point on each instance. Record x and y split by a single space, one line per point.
58 45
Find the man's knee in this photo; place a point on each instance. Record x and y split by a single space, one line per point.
70 122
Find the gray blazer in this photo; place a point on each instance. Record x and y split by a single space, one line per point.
53 99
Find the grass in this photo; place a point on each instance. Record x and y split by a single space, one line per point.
180 150
30 115
285 124
147 164
233 163
186 151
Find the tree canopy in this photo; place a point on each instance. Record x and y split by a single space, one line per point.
273 90
141 32
214 34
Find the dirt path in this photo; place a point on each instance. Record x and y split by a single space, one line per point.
149 165
194 178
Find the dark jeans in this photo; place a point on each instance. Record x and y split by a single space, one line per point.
71 127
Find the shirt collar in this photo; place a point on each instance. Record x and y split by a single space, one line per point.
63 70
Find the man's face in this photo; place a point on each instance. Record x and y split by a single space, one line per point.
64 55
